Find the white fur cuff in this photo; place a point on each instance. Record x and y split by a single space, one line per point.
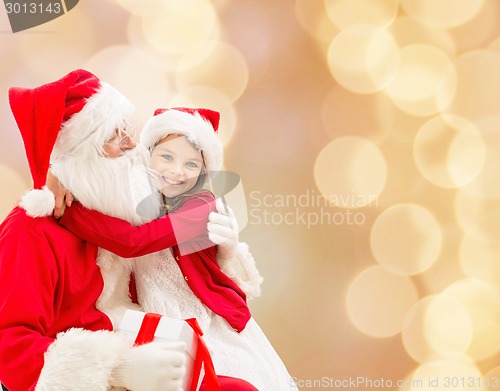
243 271
82 360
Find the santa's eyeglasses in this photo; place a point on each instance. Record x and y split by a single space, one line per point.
123 136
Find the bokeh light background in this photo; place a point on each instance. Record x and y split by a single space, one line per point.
367 136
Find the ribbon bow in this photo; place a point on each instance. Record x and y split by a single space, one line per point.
147 333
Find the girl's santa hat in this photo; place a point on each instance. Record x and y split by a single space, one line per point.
57 118
198 125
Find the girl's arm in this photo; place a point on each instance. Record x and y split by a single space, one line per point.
118 236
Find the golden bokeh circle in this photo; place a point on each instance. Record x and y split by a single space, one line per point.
486 184
447 325
444 13
313 19
478 85
479 259
479 31
345 13
478 217
447 371
408 31
406 239
425 82
363 58
449 151
181 26
482 301
350 172
135 37
372 306
115 64
224 69
436 324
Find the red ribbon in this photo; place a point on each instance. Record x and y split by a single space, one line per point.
202 356
148 328
147 333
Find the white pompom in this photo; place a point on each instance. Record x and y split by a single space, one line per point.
38 202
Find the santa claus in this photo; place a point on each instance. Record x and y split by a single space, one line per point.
53 335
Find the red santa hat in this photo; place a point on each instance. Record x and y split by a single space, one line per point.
56 118
198 125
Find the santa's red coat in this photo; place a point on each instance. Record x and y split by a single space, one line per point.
49 283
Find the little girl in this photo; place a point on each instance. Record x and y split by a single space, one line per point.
187 281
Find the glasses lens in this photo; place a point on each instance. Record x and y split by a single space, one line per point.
124 141
125 135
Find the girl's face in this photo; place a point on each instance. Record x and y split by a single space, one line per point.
178 164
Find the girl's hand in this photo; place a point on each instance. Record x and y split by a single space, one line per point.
223 231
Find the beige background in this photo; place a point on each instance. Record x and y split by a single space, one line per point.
367 137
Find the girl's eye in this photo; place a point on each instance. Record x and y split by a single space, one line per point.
167 157
192 164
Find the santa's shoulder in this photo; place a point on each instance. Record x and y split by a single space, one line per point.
19 223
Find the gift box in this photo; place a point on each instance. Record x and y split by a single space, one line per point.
147 327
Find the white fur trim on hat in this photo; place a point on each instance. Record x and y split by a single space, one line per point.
105 111
197 130
38 202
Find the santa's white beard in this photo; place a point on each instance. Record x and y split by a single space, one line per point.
113 186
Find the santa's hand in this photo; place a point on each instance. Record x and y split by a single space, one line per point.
62 196
156 366
223 231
